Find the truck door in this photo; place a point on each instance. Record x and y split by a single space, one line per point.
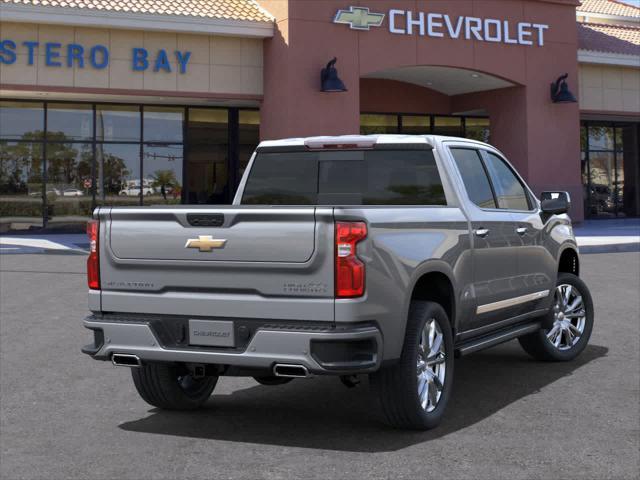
495 241
536 265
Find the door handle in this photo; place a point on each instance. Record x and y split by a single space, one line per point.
482 232
521 231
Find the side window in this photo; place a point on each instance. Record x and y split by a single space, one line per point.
474 177
509 190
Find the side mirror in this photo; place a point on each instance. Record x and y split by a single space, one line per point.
555 203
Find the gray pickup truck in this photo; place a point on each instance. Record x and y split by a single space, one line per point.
382 255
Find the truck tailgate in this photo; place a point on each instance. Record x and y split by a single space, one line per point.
243 262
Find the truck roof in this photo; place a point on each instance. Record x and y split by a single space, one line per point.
364 141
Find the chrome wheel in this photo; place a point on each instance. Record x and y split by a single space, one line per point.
431 367
569 318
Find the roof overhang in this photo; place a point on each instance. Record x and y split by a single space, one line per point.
618 19
607 58
134 21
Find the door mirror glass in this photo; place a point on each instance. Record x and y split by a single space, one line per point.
555 203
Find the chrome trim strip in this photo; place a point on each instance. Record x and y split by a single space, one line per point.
510 302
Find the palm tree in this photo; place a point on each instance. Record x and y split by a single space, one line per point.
164 179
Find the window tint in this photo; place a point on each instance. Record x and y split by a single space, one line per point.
345 178
474 177
510 192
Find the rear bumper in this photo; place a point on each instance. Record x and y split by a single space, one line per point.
349 349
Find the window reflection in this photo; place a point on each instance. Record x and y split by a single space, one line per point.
67 122
450 126
69 198
118 174
118 123
478 129
21 185
162 182
21 120
371 124
163 124
416 125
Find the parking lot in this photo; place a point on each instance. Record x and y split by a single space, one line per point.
64 415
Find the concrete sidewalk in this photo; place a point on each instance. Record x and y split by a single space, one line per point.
594 236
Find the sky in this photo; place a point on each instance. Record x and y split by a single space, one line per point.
635 3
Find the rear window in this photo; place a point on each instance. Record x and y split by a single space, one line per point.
369 177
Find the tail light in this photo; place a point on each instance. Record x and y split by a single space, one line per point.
93 262
349 268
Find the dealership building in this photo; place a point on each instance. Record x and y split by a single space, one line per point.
109 102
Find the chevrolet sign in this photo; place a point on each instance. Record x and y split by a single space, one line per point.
359 18
441 25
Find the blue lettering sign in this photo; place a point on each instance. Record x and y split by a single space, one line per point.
75 54
99 51
183 58
140 62
31 47
96 56
51 53
7 52
162 62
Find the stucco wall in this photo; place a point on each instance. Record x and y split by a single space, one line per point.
220 65
608 88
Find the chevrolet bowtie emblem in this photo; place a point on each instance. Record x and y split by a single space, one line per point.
359 18
205 243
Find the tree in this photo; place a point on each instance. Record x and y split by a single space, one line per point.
164 179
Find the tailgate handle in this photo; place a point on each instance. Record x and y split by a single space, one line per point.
205 219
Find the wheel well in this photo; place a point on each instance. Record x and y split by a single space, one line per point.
569 262
436 287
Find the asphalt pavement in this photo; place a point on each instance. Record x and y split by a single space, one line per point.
65 416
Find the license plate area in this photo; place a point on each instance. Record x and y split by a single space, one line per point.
211 333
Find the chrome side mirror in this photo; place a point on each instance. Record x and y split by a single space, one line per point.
555 203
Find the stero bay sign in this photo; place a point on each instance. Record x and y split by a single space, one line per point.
442 25
96 56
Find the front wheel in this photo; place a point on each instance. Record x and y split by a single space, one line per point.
570 321
414 393
171 386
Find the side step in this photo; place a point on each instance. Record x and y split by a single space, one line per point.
495 338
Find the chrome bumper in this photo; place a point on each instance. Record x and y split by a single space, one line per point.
266 348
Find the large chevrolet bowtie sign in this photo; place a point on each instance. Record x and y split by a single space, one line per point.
441 25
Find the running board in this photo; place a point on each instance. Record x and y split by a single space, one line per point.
495 338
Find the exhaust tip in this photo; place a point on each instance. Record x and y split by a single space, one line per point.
290 371
125 360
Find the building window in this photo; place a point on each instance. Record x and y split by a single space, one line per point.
610 169
21 185
477 128
449 126
207 176
59 160
371 123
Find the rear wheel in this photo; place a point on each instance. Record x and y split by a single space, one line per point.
414 393
570 323
171 386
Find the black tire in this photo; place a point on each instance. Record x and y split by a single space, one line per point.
272 380
397 386
540 347
171 386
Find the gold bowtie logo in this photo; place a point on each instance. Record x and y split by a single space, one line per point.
205 243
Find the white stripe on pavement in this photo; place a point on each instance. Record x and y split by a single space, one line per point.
32 242
595 241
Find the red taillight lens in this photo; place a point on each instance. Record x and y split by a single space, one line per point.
349 268
93 262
